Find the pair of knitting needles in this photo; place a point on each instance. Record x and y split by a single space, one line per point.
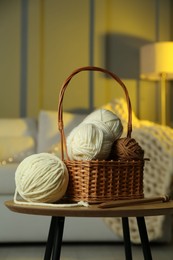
121 203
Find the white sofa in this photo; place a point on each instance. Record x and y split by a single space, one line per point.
20 138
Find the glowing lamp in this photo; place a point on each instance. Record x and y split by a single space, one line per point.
156 63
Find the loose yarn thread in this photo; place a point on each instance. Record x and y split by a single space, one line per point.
41 178
93 138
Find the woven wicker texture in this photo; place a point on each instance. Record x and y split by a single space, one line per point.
95 180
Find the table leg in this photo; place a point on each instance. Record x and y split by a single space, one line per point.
49 244
144 238
54 241
127 243
58 238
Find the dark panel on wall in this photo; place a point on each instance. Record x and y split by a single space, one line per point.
24 43
122 54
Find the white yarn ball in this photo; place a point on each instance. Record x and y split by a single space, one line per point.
41 178
107 121
87 142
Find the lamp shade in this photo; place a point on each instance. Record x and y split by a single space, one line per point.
156 59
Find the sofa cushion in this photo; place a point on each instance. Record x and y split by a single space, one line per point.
17 139
7 178
48 133
15 149
18 127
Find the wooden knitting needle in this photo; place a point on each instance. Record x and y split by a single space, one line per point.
121 203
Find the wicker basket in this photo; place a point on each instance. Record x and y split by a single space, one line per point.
98 181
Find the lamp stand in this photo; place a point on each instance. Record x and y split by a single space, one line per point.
163 98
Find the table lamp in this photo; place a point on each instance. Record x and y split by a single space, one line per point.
156 63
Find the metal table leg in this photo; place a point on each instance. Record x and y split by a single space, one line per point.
54 241
144 238
127 243
53 247
49 244
58 238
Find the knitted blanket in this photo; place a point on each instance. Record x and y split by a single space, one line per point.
157 142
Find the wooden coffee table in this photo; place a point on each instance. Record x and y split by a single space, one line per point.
54 241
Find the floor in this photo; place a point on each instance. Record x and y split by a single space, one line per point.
83 252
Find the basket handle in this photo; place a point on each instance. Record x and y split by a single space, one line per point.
61 96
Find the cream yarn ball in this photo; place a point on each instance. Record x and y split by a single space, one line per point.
41 177
87 142
107 121
93 138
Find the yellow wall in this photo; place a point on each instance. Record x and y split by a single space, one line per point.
132 23
58 42
9 58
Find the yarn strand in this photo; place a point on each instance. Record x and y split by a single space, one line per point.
55 205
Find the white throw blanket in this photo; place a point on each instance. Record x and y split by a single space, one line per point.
157 142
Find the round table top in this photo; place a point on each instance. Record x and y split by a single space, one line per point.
140 210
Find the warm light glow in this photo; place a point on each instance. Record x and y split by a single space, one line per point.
156 63
155 59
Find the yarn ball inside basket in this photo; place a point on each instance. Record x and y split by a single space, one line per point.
107 121
127 149
88 142
41 177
